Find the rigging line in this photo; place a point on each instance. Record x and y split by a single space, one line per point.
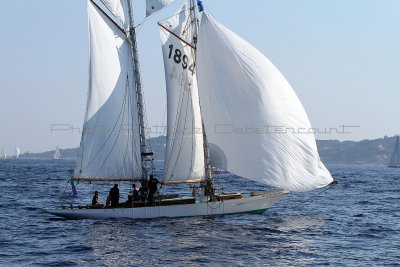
135 160
164 129
146 18
174 15
329 186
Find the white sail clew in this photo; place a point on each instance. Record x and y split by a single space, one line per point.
153 6
395 158
119 8
110 145
184 159
251 114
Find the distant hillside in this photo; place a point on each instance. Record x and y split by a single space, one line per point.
156 143
67 153
377 151
363 152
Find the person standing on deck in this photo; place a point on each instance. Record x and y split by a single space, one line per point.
114 195
152 186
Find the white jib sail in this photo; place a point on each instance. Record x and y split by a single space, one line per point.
252 116
110 145
153 6
395 158
184 159
17 152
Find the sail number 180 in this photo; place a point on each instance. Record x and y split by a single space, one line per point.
180 58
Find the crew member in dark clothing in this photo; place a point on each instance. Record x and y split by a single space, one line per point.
152 186
95 199
133 196
135 193
114 194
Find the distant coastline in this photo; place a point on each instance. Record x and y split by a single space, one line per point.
364 152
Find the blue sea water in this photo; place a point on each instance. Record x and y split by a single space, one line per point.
355 223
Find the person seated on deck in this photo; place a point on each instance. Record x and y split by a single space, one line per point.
152 185
95 201
134 193
133 196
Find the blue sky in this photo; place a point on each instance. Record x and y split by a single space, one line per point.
341 57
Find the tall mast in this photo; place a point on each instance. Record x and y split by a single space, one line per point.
145 154
208 173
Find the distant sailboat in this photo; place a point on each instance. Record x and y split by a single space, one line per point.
17 152
395 159
3 154
57 154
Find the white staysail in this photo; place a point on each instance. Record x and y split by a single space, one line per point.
110 143
252 115
395 158
184 158
17 152
153 6
57 154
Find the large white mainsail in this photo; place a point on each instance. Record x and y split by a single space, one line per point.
110 143
395 158
184 159
251 114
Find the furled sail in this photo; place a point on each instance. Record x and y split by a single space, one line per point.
395 158
184 158
252 116
110 145
119 8
153 6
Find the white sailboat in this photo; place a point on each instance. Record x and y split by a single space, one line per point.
3 154
223 99
395 158
17 152
57 154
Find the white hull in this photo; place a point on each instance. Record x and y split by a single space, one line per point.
254 204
